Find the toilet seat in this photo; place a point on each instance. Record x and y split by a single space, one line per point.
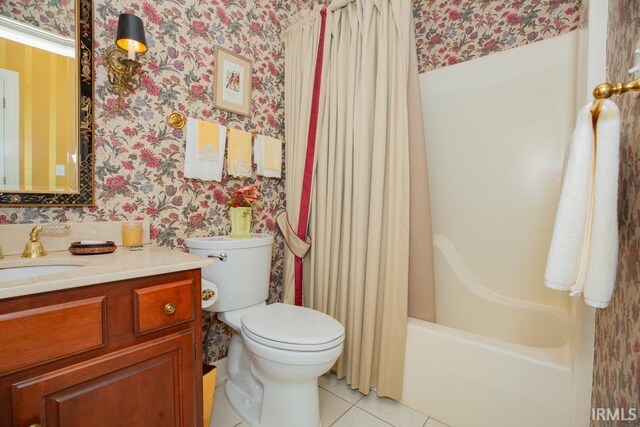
289 327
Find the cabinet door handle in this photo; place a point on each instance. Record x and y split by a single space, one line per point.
35 425
170 308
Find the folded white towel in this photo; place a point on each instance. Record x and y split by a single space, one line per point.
584 246
204 159
267 155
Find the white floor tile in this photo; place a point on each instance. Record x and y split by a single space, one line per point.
223 415
340 388
391 411
434 423
331 407
356 417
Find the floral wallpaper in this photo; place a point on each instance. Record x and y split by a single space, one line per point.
139 158
54 16
616 376
449 32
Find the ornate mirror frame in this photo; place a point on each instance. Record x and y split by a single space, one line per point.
86 169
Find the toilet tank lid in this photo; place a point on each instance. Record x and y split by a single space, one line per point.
226 242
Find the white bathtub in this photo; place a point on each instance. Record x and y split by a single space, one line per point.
467 380
501 353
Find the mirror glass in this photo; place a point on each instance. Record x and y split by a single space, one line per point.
46 95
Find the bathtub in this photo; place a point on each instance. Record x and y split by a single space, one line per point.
469 380
501 352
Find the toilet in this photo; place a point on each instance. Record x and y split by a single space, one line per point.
277 351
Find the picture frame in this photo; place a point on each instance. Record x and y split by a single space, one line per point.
233 78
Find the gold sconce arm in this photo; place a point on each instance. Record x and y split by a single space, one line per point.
122 72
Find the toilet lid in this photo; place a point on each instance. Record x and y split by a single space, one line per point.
290 327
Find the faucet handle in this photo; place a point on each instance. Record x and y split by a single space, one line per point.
34 248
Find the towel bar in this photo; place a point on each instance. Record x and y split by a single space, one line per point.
606 90
178 121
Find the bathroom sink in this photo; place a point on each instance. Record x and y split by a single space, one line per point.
27 271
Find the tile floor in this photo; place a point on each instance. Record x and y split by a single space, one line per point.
339 407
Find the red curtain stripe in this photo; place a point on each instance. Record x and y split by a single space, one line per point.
305 200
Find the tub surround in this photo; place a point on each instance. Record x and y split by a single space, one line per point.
95 269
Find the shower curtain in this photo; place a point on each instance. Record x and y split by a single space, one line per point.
363 199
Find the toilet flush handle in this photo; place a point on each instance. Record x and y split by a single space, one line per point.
222 256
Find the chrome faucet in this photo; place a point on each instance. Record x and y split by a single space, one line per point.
34 248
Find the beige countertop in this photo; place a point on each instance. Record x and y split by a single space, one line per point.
119 265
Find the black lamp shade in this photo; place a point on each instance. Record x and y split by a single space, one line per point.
131 33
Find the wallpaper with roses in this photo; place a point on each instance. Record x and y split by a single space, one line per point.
616 376
139 158
449 32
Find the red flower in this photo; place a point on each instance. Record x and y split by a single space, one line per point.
152 211
128 207
514 19
222 16
196 220
488 46
150 85
218 196
454 15
198 27
149 158
116 184
151 13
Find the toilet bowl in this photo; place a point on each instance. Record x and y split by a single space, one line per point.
277 351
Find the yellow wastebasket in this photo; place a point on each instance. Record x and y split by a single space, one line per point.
209 373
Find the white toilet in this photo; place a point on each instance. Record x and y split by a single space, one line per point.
277 351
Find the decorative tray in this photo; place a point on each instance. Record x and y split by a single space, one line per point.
92 247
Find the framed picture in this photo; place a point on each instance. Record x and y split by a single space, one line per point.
233 82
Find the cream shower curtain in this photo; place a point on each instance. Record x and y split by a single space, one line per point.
359 261
369 219
301 39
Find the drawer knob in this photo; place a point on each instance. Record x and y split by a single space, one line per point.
35 425
170 308
207 294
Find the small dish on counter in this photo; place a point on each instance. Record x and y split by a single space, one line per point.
92 247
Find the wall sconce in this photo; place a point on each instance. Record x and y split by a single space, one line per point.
122 67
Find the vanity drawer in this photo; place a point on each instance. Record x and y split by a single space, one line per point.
36 336
161 306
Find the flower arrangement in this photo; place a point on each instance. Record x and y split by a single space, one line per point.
244 197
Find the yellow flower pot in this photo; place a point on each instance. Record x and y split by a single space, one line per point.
240 222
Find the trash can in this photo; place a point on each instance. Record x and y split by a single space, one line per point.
209 373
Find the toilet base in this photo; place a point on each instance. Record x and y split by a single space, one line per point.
247 408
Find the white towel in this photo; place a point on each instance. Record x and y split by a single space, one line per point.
584 248
267 155
203 161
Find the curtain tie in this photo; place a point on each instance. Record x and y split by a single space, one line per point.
296 245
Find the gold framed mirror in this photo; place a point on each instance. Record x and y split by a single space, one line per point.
46 134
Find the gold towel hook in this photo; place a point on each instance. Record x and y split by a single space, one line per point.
177 120
606 90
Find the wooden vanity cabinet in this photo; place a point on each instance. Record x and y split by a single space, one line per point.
119 354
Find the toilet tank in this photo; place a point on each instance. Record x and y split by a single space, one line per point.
241 268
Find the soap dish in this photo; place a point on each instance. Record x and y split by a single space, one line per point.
92 247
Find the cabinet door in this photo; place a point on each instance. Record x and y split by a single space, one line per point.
151 384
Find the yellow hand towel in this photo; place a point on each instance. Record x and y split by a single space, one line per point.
272 153
208 141
267 153
239 156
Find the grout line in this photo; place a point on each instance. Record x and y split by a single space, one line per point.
365 411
